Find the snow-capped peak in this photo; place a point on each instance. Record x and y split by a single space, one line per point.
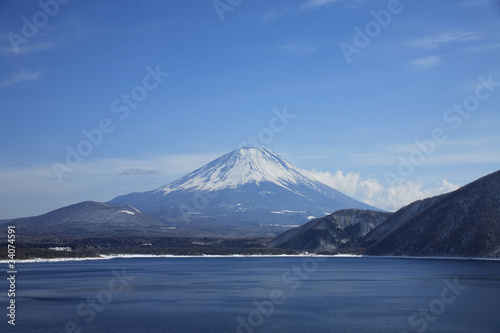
239 167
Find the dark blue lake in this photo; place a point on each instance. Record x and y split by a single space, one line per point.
256 294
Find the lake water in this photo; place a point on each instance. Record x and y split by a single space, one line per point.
257 294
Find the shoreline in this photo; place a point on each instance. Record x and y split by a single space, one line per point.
135 256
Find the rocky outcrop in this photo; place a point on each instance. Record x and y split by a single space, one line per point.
332 232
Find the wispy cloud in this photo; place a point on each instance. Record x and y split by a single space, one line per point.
297 49
138 172
20 77
485 47
431 42
274 15
426 62
482 157
318 3
307 5
479 2
72 26
480 150
98 180
30 47
174 165
53 36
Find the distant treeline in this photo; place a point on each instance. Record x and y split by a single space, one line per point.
92 247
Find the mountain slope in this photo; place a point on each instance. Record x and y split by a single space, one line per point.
88 218
397 219
331 232
465 222
249 186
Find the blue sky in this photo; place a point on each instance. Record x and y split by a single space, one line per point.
166 86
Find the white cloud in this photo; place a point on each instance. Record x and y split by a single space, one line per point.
21 76
370 191
402 194
437 40
427 62
345 183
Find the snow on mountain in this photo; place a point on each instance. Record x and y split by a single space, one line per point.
248 186
239 167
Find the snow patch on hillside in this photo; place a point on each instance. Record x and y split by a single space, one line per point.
126 211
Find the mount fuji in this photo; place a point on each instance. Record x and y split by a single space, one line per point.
245 188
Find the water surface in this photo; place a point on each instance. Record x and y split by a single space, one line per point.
257 294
